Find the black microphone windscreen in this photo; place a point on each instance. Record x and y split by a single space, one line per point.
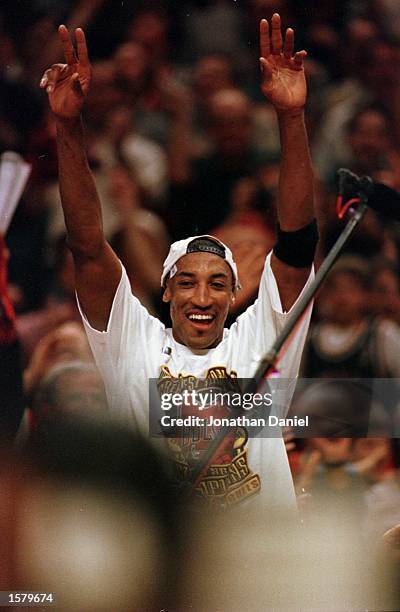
348 183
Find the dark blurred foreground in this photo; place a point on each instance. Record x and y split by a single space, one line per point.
89 513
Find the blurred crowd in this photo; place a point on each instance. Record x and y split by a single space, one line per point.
182 142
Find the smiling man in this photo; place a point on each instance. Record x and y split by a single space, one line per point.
200 282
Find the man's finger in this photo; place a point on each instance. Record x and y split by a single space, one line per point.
264 38
299 58
45 78
59 69
289 43
69 51
53 75
50 78
276 34
81 47
265 68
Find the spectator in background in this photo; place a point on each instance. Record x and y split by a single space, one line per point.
355 468
370 146
212 27
141 242
69 388
134 74
55 352
201 189
20 106
150 28
137 79
212 73
60 306
349 341
145 158
104 95
115 139
21 112
386 289
64 344
357 475
40 47
372 79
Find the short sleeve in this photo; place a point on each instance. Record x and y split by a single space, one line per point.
122 352
257 328
127 318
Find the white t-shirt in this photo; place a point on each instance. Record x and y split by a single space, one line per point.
136 347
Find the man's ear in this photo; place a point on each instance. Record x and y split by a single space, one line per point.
166 295
233 298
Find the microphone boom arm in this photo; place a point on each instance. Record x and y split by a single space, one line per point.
267 363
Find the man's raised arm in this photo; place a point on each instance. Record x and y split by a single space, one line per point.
97 269
284 85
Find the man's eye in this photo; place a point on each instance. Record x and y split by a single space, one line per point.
218 285
185 283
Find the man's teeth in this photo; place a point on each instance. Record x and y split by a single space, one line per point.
200 317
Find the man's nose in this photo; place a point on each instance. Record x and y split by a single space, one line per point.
202 297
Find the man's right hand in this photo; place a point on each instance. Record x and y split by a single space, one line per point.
67 84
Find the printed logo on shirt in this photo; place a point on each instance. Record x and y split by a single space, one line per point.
229 479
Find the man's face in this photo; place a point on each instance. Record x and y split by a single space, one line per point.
345 300
370 137
200 294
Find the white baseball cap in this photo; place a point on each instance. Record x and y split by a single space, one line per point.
183 247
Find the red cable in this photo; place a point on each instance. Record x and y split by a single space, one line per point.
342 210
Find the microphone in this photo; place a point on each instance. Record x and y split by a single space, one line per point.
381 198
348 183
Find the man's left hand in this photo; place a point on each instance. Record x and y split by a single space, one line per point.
283 79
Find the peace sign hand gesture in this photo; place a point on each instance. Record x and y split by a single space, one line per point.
283 80
67 84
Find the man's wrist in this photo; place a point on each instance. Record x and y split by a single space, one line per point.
69 129
292 114
68 122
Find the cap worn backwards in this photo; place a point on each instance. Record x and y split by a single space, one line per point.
195 244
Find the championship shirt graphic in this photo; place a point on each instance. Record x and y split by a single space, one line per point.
229 479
